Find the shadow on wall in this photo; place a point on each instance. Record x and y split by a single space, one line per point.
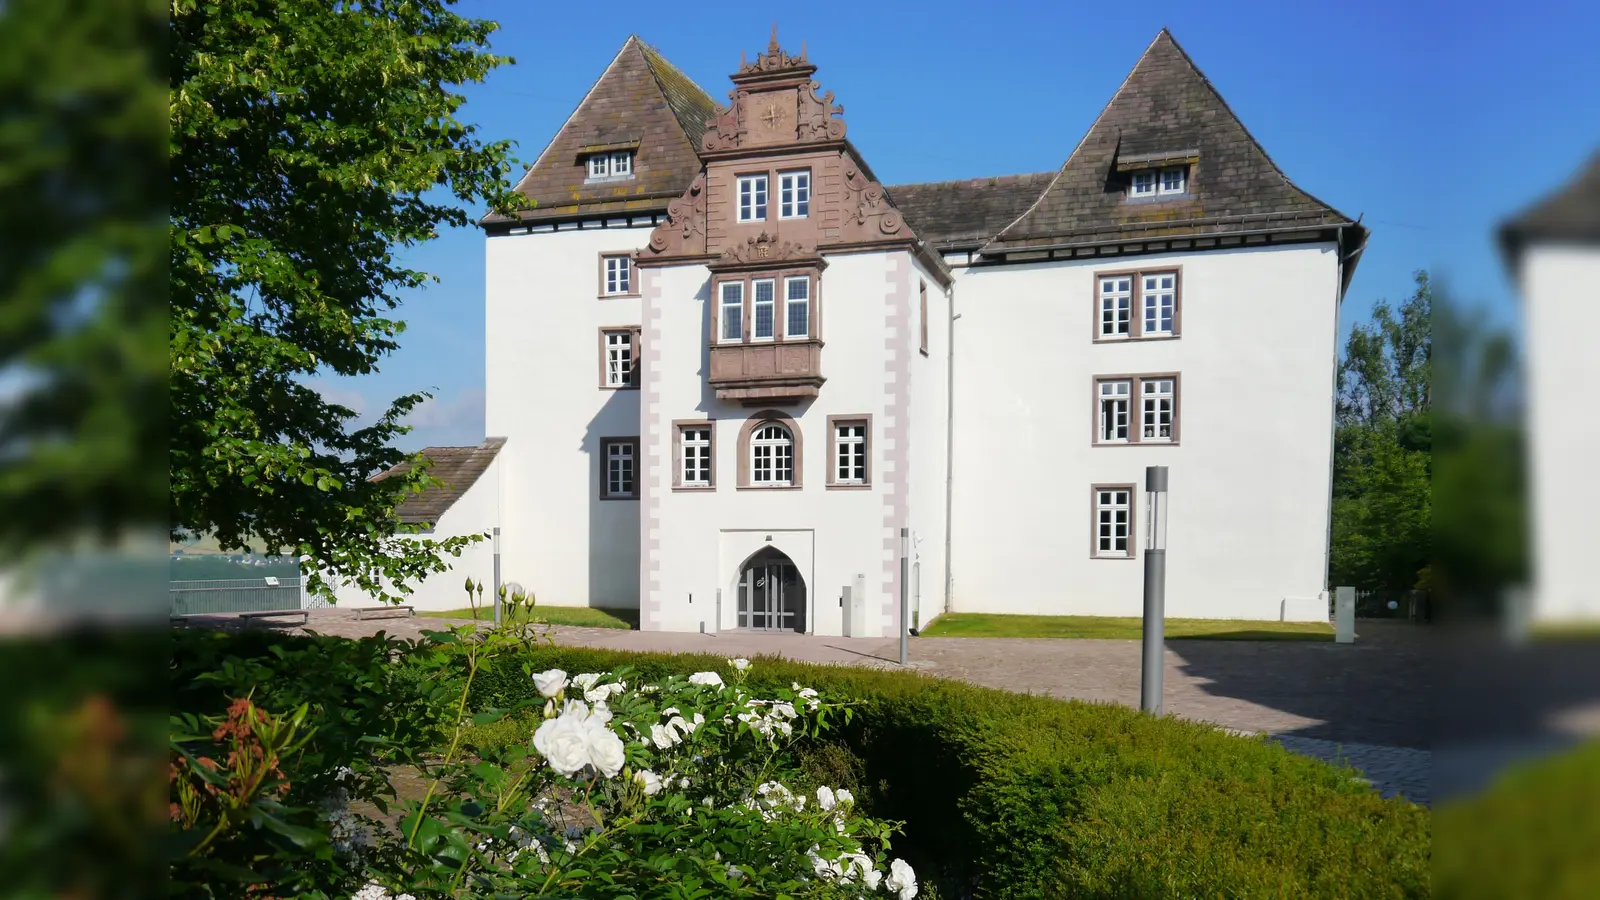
613 524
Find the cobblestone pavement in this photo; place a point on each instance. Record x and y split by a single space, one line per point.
1365 702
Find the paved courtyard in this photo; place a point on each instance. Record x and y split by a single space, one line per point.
1366 703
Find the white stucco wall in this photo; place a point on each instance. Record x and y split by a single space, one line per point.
930 408
543 320
476 512
696 541
1249 480
1561 318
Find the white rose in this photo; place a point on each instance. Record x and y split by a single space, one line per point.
563 743
650 780
874 878
785 709
550 683
844 796
586 680
825 798
663 737
706 679
680 725
606 751
683 782
741 663
670 711
901 880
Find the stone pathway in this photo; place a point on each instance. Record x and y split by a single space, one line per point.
1365 703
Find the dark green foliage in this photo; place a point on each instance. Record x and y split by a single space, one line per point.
1024 796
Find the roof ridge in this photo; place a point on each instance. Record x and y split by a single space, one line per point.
967 180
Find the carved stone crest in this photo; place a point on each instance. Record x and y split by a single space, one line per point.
761 248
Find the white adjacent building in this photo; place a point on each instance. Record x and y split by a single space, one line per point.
1554 252
727 368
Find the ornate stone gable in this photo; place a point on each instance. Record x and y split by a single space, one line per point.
778 122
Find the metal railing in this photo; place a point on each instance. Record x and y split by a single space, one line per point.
235 595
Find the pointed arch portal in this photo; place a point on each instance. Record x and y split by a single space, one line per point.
772 595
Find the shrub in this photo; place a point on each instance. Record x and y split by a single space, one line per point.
1008 795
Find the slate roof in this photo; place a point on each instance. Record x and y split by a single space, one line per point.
1571 213
1165 110
640 100
966 213
458 467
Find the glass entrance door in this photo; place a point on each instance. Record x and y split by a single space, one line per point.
771 595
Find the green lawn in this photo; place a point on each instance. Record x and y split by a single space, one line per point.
1121 628
591 617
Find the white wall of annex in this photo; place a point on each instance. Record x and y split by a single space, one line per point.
1250 479
543 320
701 532
1561 318
476 512
930 413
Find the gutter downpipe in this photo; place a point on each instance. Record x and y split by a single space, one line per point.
949 430
1333 429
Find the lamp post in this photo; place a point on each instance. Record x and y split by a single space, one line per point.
905 617
1155 588
497 577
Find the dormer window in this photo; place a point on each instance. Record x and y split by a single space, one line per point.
615 164
1159 182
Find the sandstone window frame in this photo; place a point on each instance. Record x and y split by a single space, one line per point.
794 194
1135 294
752 204
1135 409
624 451
682 445
835 424
747 447
629 276
780 277
607 332
1098 520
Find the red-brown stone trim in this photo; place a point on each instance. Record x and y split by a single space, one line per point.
1136 323
750 425
605 481
833 484
633 275
633 332
679 426
1135 409
1094 519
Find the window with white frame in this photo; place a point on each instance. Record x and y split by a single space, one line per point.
1116 306
850 452
618 275
732 311
772 456
695 447
1115 398
1113 522
1159 297
752 198
797 307
615 164
1156 415
794 194
619 359
1167 182
764 295
617 482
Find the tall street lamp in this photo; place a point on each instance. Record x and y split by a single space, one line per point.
1155 588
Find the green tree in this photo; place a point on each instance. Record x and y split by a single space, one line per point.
1382 495
309 141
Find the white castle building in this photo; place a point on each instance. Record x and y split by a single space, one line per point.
727 367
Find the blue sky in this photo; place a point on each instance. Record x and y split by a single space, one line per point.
1434 122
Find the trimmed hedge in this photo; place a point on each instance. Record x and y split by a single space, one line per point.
1017 796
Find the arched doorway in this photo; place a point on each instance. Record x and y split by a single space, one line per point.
772 595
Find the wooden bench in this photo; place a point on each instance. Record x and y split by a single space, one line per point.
361 611
250 617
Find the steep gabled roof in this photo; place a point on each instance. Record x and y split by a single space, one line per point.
1572 213
966 213
641 101
458 467
1166 110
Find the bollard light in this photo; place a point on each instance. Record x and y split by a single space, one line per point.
1155 492
1153 653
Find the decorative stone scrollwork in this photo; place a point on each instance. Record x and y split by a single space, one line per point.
819 116
684 231
727 130
773 59
762 248
864 200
